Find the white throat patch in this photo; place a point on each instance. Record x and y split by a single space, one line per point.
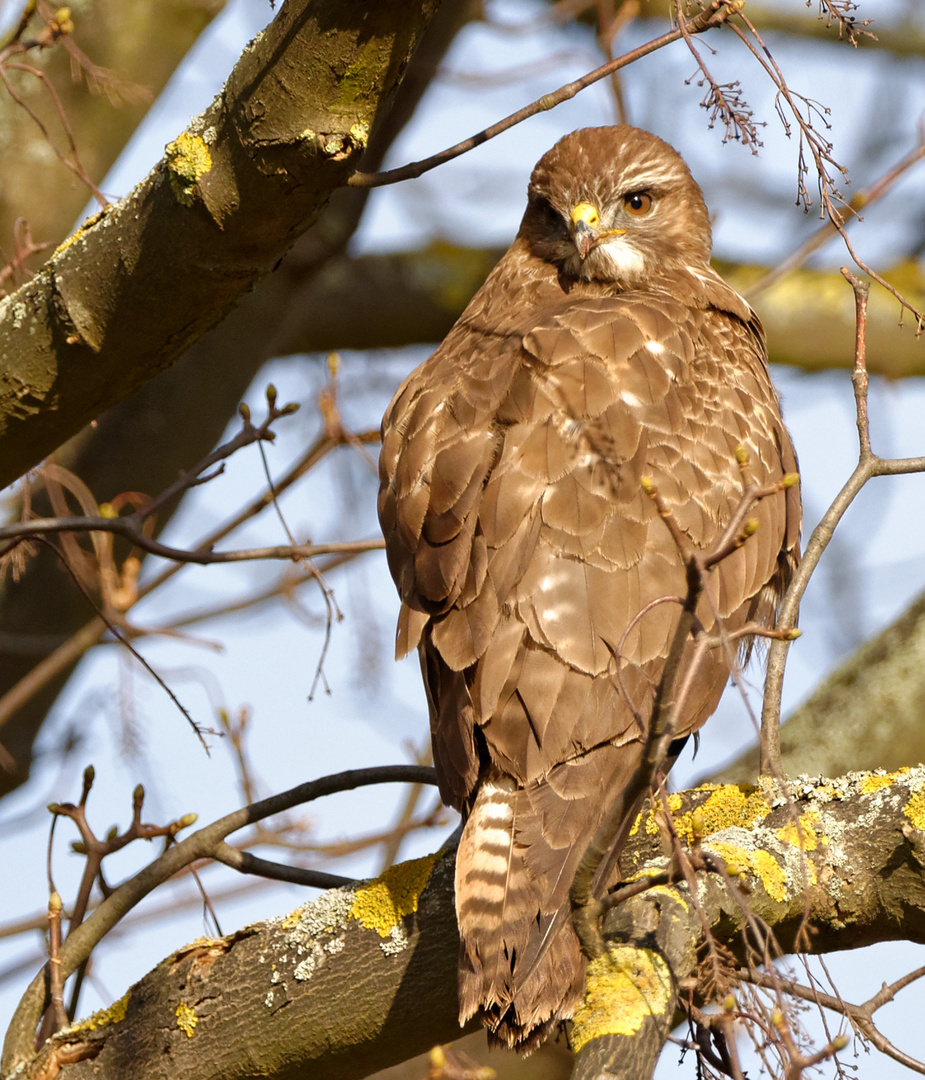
626 260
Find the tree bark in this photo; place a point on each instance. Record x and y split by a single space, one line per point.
875 701
125 296
134 51
348 984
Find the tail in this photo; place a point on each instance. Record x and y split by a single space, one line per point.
520 964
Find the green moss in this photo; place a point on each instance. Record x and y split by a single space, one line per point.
356 82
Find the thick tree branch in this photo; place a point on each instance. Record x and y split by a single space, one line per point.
364 985
133 288
203 843
131 59
145 442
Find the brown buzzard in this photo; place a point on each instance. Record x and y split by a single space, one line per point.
602 349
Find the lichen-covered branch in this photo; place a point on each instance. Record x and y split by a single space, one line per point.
130 62
145 442
366 975
359 979
837 865
134 287
205 843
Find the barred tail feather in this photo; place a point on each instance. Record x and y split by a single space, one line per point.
520 965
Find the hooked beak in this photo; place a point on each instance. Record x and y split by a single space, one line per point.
585 231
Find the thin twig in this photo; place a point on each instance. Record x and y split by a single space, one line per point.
869 465
126 527
859 201
715 14
123 640
246 863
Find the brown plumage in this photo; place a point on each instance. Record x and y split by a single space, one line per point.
602 349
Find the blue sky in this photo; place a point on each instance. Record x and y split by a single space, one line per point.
376 709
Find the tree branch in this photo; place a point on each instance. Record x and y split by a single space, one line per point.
140 282
199 845
362 991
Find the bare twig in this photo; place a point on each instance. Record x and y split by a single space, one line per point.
860 1016
87 636
198 729
723 101
56 988
858 202
714 14
127 527
246 863
805 113
869 465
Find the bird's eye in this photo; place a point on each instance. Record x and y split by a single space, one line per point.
638 204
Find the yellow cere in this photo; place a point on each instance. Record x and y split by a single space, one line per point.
587 213
623 988
186 1019
383 903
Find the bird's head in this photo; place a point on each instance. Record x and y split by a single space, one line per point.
615 204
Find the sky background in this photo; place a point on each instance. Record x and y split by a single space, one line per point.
375 710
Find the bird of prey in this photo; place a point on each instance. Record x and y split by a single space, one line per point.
533 569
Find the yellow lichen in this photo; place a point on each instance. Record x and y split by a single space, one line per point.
915 809
67 241
771 874
727 805
79 232
801 834
383 903
675 802
115 1014
731 805
647 871
875 781
760 864
292 919
186 1019
188 160
672 894
666 890
623 988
